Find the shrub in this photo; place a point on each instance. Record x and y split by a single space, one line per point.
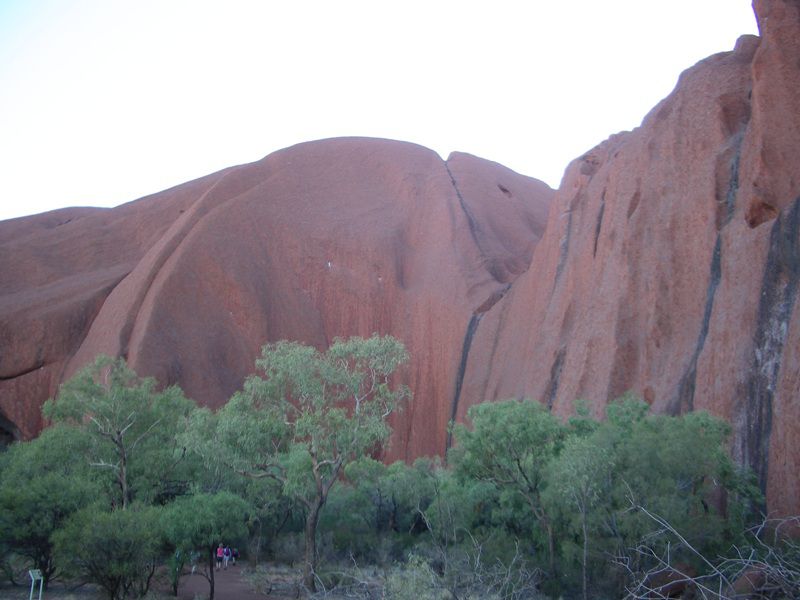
117 550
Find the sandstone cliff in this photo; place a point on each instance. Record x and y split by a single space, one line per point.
670 264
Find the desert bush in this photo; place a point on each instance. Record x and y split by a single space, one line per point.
42 483
118 550
289 547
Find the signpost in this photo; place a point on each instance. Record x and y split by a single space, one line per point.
36 575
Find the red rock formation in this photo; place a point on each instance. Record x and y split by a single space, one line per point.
333 238
670 264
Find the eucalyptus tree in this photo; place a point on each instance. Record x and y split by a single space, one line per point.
307 416
580 479
510 446
130 424
42 484
200 522
119 550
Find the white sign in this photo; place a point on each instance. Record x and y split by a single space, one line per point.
36 575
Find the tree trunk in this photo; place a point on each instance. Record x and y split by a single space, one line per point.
310 566
211 559
254 547
585 553
551 547
123 483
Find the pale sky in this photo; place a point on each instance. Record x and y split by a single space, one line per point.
105 101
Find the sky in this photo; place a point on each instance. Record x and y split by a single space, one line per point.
105 101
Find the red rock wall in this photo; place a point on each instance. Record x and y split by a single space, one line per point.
325 239
670 264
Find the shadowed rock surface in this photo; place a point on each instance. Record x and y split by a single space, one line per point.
669 266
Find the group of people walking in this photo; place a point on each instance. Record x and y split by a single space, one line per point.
225 556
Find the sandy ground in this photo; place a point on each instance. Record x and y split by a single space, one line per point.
230 584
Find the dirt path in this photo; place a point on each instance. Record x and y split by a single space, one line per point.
228 585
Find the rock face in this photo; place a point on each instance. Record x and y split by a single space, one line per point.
670 264
333 238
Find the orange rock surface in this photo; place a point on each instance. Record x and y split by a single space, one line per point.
670 264
332 238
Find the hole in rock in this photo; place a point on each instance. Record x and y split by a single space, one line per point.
760 212
505 190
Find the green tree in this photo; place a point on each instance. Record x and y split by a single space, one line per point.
310 415
510 445
41 485
679 469
200 522
118 550
611 478
579 480
412 489
131 425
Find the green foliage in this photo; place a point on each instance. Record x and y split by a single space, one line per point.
531 503
510 447
382 509
117 550
416 580
605 486
310 415
201 521
584 490
41 485
580 481
131 427
271 511
197 524
315 411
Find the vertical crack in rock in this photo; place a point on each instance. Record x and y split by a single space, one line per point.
555 378
777 299
733 185
563 249
684 399
599 222
474 228
462 367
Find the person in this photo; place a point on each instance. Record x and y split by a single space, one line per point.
226 556
220 555
235 555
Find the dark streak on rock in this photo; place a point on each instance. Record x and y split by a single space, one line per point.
462 367
684 399
36 366
564 248
555 378
599 222
778 296
493 299
733 185
474 228
493 266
